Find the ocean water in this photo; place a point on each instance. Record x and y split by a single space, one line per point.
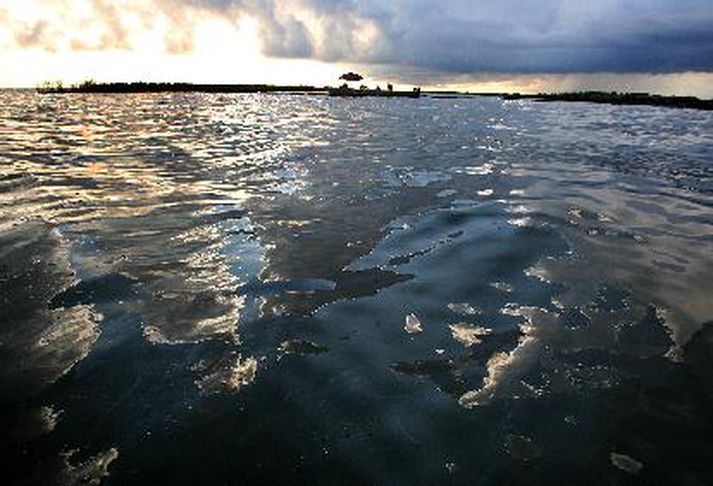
256 289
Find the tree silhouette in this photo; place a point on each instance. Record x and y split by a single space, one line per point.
350 76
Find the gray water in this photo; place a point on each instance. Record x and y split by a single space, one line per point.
211 289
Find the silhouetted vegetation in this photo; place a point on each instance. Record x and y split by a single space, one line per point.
91 86
346 91
614 98
351 76
363 91
51 87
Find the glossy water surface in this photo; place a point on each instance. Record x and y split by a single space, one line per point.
256 289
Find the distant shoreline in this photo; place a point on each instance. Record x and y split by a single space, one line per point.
612 98
143 87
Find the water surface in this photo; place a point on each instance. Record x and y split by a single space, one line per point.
214 289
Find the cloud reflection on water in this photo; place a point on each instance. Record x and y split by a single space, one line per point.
242 229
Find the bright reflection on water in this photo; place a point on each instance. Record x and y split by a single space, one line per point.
213 289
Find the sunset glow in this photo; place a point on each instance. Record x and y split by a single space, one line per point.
309 42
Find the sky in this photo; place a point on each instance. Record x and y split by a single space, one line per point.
663 46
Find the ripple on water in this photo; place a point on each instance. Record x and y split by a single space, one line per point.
159 252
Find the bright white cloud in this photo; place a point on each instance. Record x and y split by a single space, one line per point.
418 41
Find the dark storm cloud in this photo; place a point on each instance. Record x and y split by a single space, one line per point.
451 36
557 36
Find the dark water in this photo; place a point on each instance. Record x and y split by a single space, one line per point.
215 290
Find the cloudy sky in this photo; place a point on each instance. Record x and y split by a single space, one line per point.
514 45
